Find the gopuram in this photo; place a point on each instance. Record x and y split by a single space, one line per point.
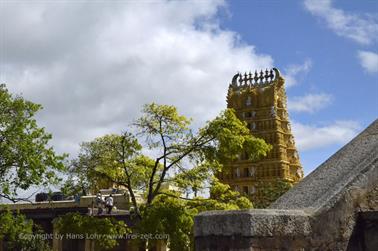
259 99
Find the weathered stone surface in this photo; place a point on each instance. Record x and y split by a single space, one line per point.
258 222
319 213
331 178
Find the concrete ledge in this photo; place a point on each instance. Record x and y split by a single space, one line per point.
258 222
120 201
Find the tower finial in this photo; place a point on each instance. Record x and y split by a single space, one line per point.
277 73
266 76
262 77
234 79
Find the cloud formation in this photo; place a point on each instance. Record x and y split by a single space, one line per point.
293 73
310 137
93 66
368 61
362 29
309 103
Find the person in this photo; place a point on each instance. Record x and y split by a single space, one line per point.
99 203
109 203
77 199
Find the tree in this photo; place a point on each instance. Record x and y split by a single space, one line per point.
25 157
270 192
174 216
182 157
222 197
110 159
186 155
16 231
106 230
102 155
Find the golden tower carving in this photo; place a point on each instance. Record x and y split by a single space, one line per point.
259 99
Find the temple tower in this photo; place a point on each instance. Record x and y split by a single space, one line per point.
259 99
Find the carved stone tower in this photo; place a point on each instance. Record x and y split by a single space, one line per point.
259 99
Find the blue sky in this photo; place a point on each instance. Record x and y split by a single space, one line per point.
92 65
293 35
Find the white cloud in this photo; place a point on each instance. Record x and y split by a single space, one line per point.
294 72
93 66
362 29
309 137
309 103
368 60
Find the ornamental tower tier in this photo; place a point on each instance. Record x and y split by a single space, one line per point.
259 99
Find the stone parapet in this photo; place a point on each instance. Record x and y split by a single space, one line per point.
333 208
255 222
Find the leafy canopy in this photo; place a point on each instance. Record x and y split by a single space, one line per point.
101 161
106 230
16 230
25 157
179 157
271 191
170 216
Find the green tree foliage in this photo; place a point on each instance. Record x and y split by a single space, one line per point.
170 216
190 156
270 192
16 231
105 230
103 155
25 157
222 197
180 156
111 159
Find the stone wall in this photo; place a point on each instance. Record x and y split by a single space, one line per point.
325 211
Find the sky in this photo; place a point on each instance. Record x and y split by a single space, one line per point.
93 64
